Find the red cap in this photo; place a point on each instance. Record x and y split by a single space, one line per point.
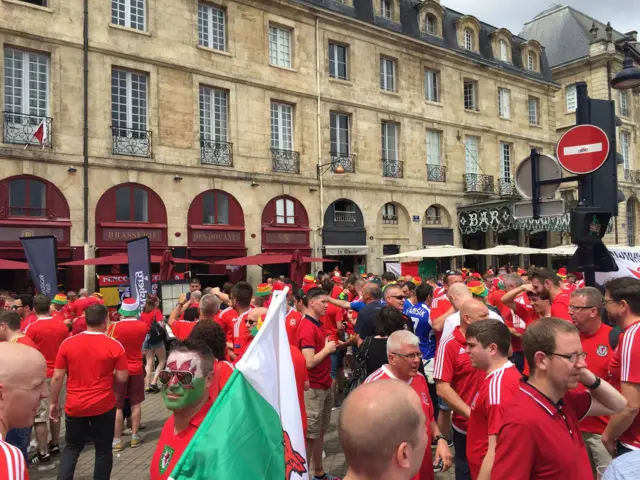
278 285
337 279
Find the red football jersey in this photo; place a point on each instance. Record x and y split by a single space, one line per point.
48 334
131 334
241 335
486 412
12 464
515 321
25 341
292 321
439 305
225 319
560 307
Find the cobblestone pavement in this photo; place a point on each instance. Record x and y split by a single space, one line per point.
133 464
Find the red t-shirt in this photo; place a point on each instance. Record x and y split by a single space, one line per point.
148 317
292 321
302 376
48 334
311 334
28 320
68 310
330 319
79 325
419 385
81 304
625 367
182 328
131 334
560 307
515 321
26 341
487 408
90 359
538 441
223 370
12 464
453 366
439 306
337 290
599 354
171 445
225 318
495 297
241 335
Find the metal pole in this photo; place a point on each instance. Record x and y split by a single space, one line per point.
535 193
85 138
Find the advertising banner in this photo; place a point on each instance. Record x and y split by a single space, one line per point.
41 256
139 270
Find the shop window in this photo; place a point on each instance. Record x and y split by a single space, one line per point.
27 198
215 208
132 204
390 214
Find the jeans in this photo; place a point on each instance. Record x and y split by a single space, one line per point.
621 449
78 429
20 438
460 445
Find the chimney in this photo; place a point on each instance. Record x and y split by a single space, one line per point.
632 36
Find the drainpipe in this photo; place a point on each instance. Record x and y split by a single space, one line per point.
615 219
319 143
85 139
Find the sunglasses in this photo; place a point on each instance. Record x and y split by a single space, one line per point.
15 307
397 297
185 378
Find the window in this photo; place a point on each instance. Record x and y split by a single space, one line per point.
26 84
215 208
504 103
504 51
471 154
285 212
212 26
624 103
280 47
128 102
433 148
128 13
533 106
431 24
389 142
387 74
40 3
631 222
571 97
470 95
431 85
281 126
339 134
27 198
432 216
213 114
132 204
389 214
385 8
338 61
531 61
468 39
625 143
505 161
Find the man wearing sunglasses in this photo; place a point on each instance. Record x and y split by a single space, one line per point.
23 305
186 385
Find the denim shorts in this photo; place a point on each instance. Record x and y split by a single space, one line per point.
148 346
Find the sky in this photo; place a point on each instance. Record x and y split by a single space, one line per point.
624 15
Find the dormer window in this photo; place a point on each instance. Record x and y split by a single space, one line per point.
468 39
385 8
504 51
531 61
430 24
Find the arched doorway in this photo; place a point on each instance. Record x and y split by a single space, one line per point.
344 237
436 230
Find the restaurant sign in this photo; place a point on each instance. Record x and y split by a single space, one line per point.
13 234
216 237
125 234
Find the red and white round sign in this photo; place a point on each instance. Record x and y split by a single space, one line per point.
583 149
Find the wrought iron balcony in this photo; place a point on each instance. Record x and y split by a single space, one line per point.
433 220
477 183
390 219
632 176
340 216
213 152
507 187
436 173
285 161
348 162
132 142
392 168
20 129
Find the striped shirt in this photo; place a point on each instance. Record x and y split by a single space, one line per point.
12 464
625 467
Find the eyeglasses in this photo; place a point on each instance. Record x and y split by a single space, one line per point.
15 307
577 307
573 358
185 378
409 356
607 302
397 297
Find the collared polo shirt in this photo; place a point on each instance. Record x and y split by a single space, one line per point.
311 334
541 440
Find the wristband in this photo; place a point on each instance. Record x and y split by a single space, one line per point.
595 384
437 438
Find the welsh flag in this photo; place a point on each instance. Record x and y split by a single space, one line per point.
254 429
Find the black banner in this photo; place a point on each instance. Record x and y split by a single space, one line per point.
41 256
139 269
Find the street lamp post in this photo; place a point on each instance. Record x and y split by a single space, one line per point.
629 76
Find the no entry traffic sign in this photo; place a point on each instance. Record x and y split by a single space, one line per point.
583 149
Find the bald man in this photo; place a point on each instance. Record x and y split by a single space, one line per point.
460 294
23 373
391 444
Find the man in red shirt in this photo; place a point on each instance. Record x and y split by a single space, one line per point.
130 332
488 346
10 330
313 343
294 317
585 307
209 306
24 306
540 434
92 362
186 385
48 334
457 381
57 309
512 320
622 301
404 354
22 387
547 284
333 322
233 320
441 307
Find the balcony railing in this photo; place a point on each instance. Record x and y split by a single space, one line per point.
390 219
285 161
433 220
348 162
632 176
340 216
213 152
392 168
132 142
476 183
436 173
507 187
20 129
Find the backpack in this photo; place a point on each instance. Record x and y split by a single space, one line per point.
360 373
156 333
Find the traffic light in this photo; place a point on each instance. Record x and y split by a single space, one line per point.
588 226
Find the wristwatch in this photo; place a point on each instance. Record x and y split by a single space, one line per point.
437 438
595 384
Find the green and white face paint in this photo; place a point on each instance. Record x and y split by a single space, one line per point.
176 395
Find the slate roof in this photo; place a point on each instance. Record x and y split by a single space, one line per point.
409 25
564 32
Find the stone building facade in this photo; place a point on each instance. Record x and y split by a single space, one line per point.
216 128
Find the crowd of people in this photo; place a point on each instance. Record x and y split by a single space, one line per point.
522 374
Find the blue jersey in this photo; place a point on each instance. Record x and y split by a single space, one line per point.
419 315
406 307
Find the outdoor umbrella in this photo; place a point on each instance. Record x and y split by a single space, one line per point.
270 259
438 251
296 270
122 258
166 267
13 265
509 250
560 250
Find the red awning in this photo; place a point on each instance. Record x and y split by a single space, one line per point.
122 259
268 259
12 265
